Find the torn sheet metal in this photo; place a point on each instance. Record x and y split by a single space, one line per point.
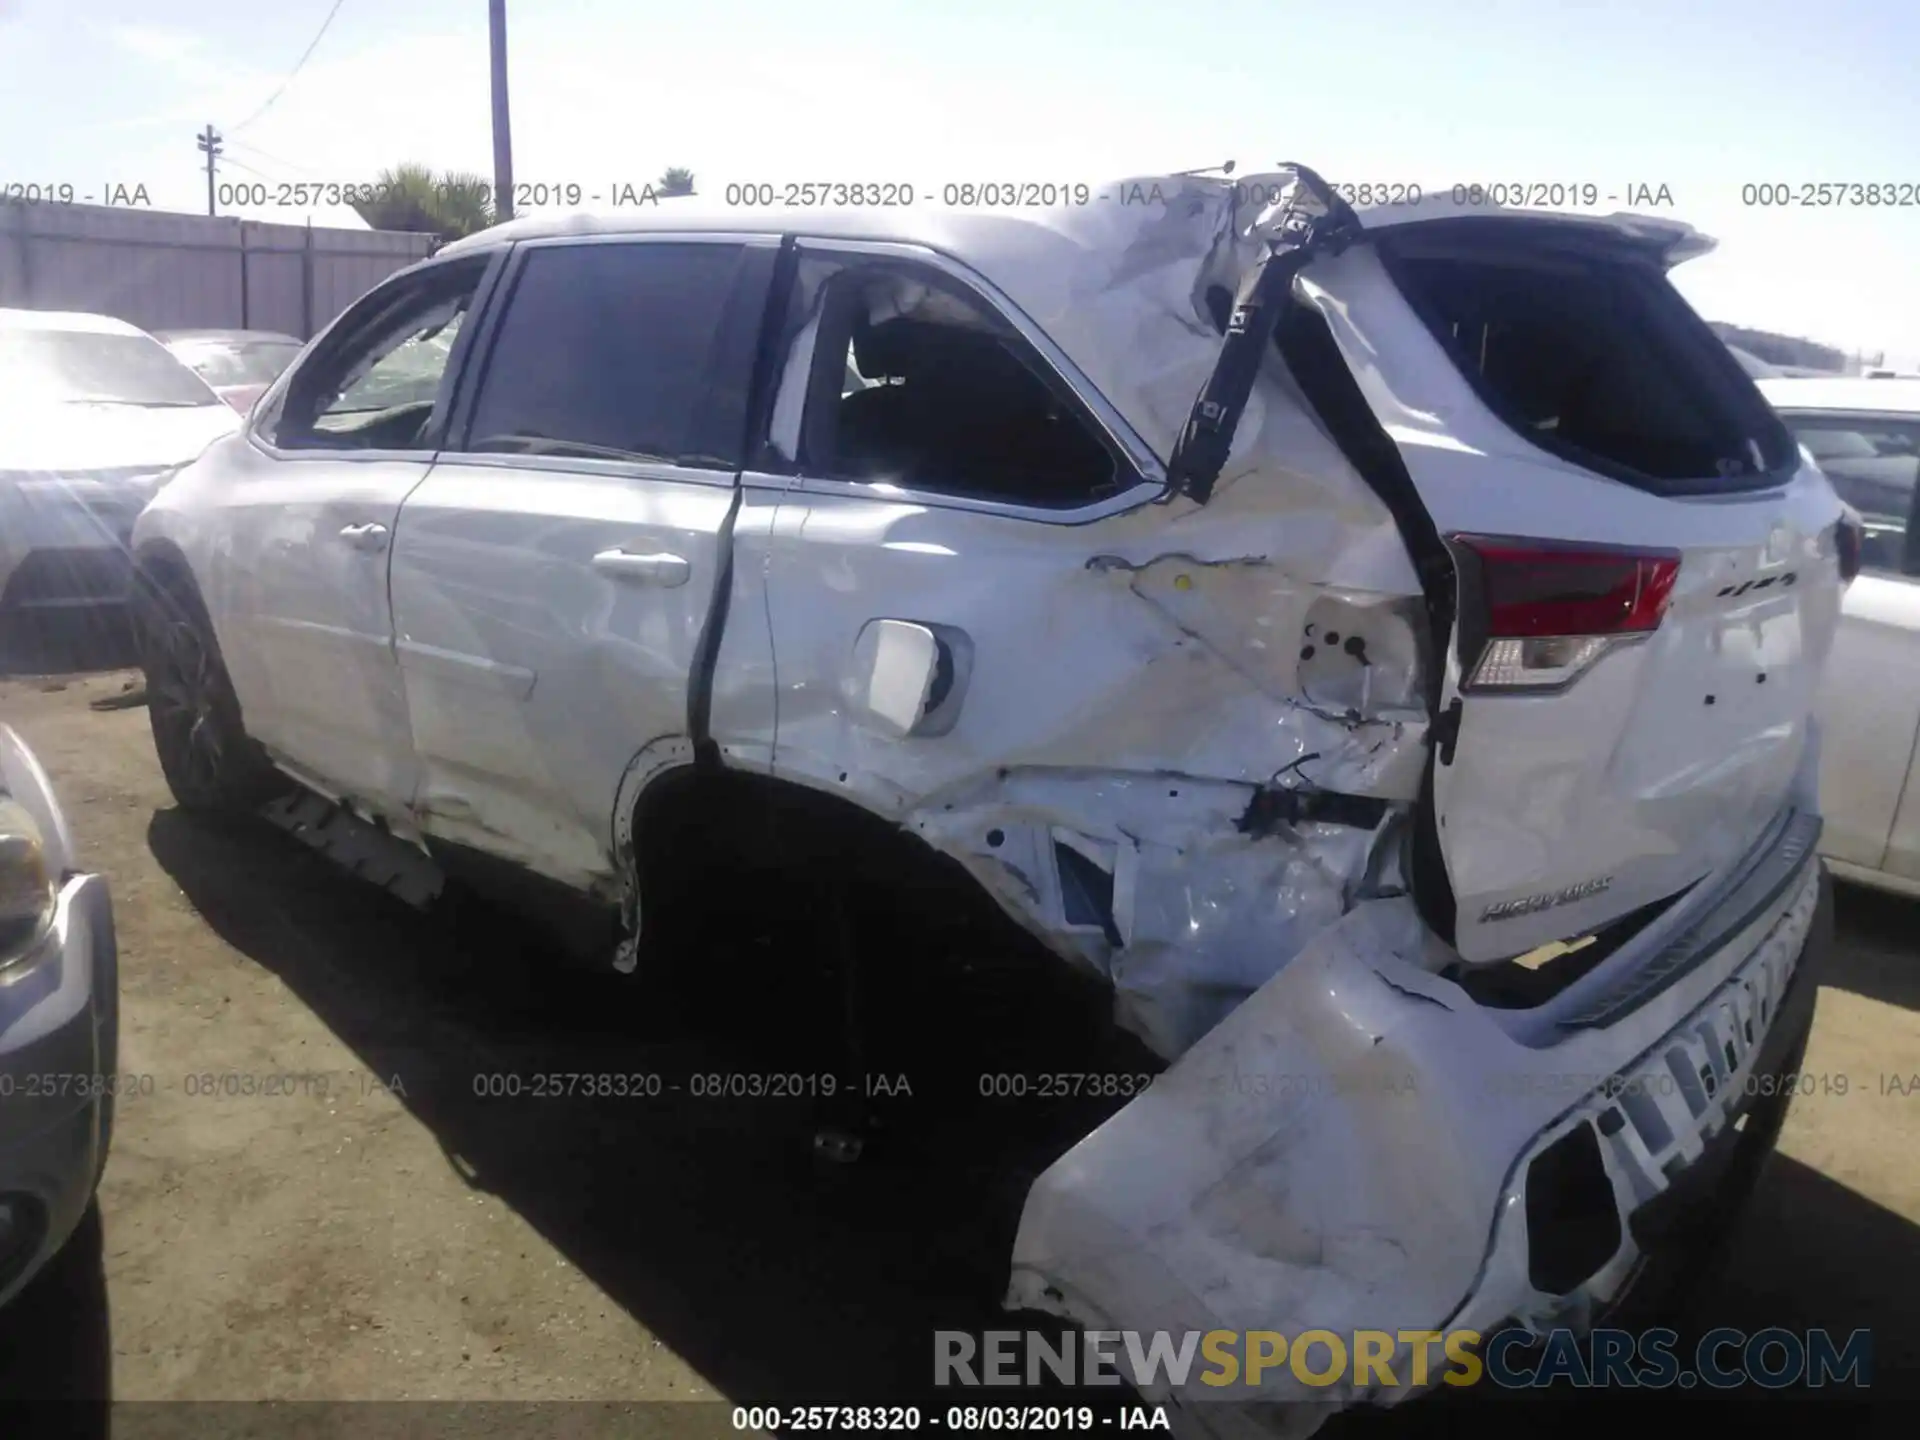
1298 1168
1160 885
1349 1151
1088 732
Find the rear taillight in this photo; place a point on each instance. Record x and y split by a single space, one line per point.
1537 615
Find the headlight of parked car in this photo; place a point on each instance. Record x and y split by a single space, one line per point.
27 885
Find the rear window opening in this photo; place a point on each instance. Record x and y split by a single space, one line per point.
1590 353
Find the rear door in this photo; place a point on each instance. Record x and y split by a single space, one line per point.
553 573
1870 702
1648 583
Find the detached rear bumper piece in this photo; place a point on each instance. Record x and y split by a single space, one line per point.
1360 1147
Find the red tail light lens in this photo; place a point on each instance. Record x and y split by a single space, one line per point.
1548 612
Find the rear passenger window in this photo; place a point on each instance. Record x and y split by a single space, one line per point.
1872 465
915 382
631 351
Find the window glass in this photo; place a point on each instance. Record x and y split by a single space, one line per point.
96 368
607 352
920 384
375 384
1872 465
1596 358
407 374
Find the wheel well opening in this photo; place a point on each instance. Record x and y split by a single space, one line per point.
758 895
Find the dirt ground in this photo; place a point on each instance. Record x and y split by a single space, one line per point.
380 1231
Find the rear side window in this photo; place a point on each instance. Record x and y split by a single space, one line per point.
1590 353
1872 465
917 382
630 351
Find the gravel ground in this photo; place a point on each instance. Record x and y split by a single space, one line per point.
381 1232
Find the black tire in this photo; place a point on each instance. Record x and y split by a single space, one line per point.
211 764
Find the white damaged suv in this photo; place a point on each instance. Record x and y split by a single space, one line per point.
1379 645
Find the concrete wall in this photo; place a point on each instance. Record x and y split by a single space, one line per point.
165 271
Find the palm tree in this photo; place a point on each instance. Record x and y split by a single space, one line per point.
676 181
412 197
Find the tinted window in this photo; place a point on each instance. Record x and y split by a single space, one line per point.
918 383
1596 357
1873 465
78 366
620 352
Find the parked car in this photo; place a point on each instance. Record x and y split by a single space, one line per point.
1865 434
238 364
1754 366
1423 772
92 412
59 1022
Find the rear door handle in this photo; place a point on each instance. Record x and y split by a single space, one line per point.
662 569
370 537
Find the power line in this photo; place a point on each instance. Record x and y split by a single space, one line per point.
269 156
242 165
296 68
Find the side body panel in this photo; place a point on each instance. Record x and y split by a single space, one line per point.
550 606
531 675
294 574
1869 712
1081 705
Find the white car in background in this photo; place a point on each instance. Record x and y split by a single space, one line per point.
92 412
1865 434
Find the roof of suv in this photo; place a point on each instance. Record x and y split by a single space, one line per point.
69 320
1025 235
1897 395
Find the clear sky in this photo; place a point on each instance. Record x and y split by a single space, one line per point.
1701 96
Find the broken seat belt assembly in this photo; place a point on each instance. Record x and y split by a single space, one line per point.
1295 239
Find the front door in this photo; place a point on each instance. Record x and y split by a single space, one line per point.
298 582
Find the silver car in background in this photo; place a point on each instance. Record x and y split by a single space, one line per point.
93 411
238 364
59 1022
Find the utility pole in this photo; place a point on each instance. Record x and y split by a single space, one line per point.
502 131
210 143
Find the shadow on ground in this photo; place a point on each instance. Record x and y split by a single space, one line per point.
1878 961
782 1277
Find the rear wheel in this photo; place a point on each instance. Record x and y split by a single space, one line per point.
210 762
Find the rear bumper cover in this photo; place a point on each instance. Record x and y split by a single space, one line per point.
1361 1147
